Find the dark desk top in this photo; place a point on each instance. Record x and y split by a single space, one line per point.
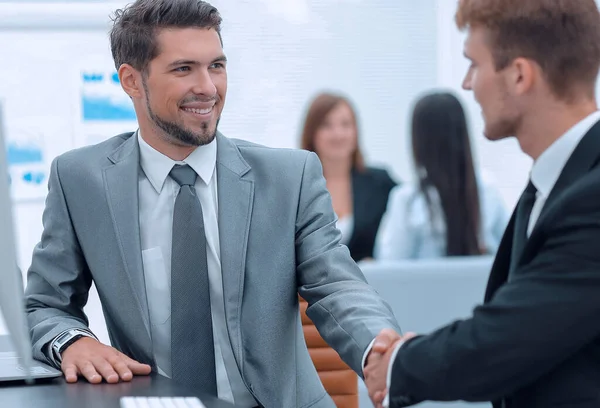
57 393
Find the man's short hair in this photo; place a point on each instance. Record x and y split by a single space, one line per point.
133 35
562 36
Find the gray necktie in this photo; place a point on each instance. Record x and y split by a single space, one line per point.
192 344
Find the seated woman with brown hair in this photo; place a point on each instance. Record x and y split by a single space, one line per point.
359 193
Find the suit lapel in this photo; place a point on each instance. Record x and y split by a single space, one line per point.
121 180
235 194
585 156
501 265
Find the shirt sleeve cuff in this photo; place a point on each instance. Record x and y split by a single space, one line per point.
364 359
55 358
386 400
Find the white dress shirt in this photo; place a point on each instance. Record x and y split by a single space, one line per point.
346 227
408 231
157 194
550 164
545 172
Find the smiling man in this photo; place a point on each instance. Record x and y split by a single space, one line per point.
198 244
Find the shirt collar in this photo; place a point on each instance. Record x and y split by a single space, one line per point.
157 166
550 164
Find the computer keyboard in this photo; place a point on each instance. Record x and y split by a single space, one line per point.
161 402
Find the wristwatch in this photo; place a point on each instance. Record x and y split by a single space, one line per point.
65 339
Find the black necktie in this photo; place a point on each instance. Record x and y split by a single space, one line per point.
522 215
192 344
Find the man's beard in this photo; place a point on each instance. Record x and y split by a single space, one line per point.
181 135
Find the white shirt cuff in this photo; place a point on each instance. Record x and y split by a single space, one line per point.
364 359
386 400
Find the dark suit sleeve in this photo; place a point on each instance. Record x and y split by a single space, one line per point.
537 320
382 178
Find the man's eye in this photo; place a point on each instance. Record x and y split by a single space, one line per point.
182 69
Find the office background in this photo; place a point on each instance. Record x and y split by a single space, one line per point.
59 91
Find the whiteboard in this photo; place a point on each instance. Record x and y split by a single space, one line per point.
381 53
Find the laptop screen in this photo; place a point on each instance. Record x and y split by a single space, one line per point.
11 280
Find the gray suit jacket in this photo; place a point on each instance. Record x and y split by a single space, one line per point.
278 239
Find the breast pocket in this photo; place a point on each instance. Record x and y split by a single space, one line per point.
158 286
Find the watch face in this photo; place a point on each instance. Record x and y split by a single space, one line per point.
63 337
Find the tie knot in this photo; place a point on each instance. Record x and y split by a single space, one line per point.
183 175
530 189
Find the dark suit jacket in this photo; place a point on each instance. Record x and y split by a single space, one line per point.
535 342
370 191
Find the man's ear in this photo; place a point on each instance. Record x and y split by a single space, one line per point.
131 81
522 75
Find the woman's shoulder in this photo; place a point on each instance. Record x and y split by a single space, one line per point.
376 171
491 199
378 175
408 204
488 186
405 194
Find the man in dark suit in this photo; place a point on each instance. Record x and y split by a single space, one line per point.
535 342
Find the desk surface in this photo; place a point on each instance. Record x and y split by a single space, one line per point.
57 393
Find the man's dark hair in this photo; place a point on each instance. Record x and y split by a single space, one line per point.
133 35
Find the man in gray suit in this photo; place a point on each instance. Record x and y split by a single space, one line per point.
198 244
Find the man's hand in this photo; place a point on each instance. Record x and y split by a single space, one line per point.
378 362
93 360
384 341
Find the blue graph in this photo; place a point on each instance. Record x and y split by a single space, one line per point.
24 154
26 165
34 177
102 98
103 108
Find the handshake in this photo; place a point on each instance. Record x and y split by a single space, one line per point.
378 363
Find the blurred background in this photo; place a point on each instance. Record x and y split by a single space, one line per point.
295 67
59 91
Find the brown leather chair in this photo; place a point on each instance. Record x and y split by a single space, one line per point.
340 382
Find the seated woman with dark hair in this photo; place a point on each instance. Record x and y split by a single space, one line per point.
359 193
448 211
